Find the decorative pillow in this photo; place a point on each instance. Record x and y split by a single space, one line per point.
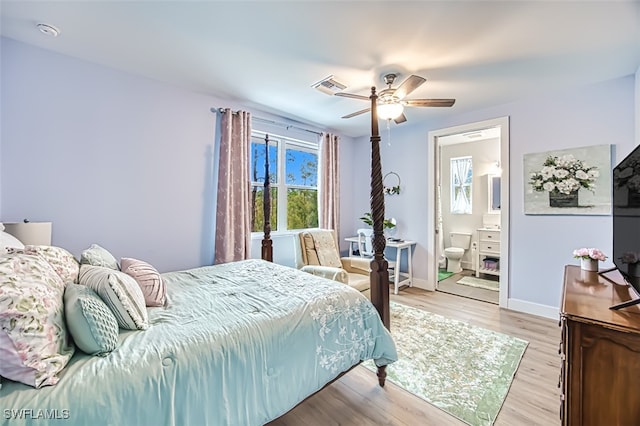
98 256
8 241
91 323
120 292
34 345
148 278
326 249
60 260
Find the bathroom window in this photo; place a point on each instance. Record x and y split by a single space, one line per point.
461 179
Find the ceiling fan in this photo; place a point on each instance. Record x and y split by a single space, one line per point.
391 102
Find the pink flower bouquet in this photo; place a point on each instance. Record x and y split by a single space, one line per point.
589 253
630 257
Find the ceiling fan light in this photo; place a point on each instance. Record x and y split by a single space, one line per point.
390 111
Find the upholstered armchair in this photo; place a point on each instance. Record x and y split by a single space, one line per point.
320 256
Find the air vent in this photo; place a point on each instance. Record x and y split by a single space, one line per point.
329 85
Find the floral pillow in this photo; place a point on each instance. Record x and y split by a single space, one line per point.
63 262
148 278
34 344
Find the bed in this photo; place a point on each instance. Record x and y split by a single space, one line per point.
222 351
239 343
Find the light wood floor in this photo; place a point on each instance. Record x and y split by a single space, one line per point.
356 399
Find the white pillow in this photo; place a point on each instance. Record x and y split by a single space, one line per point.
120 292
8 240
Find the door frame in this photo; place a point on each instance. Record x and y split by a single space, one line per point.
433 167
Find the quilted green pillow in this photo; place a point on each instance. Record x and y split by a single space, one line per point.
99 256
91 323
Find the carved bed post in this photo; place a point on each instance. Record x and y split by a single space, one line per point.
267 248
379 275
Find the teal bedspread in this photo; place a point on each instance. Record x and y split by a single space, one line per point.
237 344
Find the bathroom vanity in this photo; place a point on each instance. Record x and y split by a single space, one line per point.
488 253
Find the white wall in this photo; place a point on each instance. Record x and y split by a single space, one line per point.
108 157
127 163
540 245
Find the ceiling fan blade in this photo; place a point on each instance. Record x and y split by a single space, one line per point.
353 114
409 85
351 95
400 119
429 102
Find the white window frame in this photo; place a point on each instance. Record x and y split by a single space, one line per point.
453 165
282 143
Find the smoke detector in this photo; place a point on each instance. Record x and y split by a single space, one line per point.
47 29
329 85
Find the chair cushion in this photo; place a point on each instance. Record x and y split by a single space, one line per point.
309 249
325 248
358 281
335 274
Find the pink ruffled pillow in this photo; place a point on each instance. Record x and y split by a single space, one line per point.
148 278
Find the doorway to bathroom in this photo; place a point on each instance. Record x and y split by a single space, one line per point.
470 211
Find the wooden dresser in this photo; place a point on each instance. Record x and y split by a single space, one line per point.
600 352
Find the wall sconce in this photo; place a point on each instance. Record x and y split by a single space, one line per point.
30 233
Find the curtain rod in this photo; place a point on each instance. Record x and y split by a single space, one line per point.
264 120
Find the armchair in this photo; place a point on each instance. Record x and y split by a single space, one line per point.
320 256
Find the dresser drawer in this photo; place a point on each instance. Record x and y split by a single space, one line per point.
492 246
489 235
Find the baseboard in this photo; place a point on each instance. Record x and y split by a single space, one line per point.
533 308
517 305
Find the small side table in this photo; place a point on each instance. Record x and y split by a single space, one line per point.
399 278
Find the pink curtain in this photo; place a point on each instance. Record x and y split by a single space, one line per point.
329 177
233 211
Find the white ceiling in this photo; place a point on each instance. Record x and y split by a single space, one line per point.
267 54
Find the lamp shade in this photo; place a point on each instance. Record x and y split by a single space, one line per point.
389 111
30 233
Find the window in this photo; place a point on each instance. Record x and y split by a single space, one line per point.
461 179
293 170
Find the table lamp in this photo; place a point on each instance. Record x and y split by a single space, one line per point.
30 233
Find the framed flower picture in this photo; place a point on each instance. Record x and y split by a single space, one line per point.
574 181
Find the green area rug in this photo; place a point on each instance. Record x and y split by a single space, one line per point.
443 274
480 283
459 368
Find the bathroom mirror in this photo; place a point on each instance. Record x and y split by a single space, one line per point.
494 193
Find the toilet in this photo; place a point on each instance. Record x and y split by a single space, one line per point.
460 243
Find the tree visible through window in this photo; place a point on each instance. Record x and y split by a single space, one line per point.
293 170
461 180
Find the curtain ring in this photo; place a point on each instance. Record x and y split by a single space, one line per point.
390 189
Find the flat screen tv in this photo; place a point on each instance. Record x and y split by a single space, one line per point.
626 223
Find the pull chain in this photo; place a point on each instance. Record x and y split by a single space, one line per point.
389 132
